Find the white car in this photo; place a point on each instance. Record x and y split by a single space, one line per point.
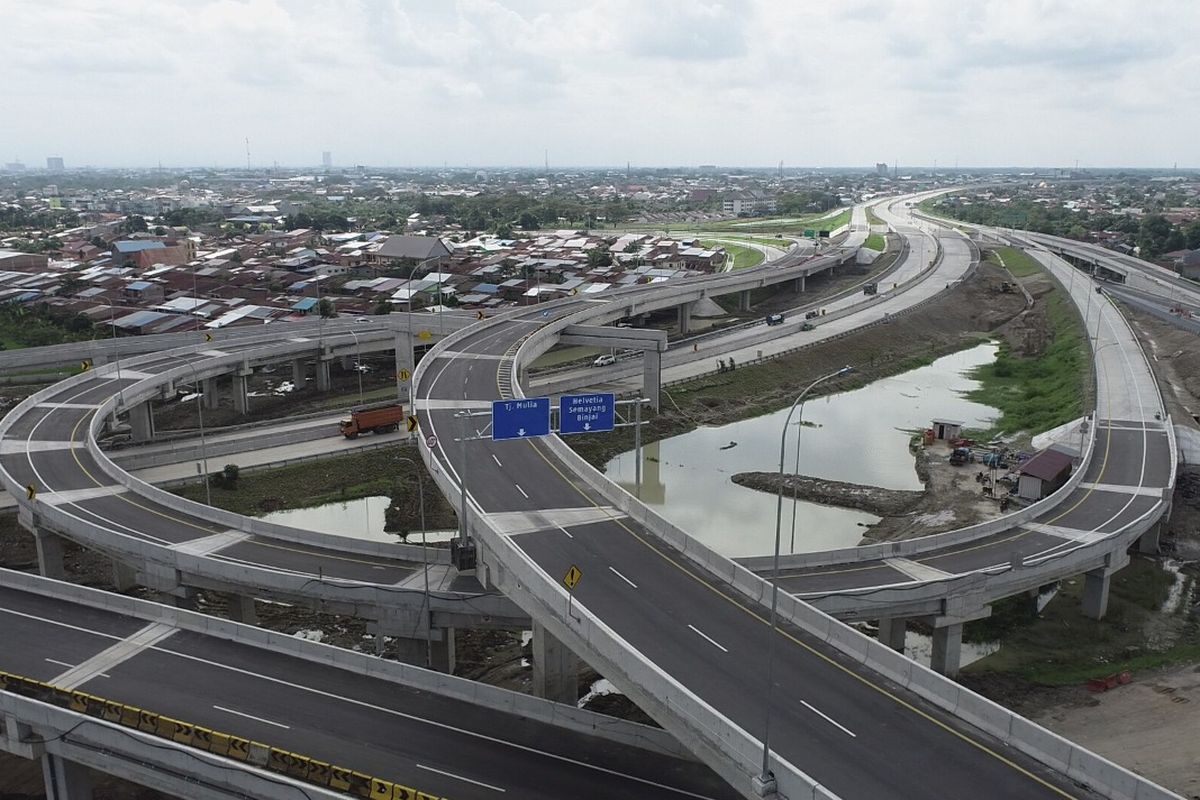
605 360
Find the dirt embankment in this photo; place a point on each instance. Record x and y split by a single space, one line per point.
832 493
974 310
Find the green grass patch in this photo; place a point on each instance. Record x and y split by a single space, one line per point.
743 256
1016 261
873 218
1061 646
1036 393
876 241
321 481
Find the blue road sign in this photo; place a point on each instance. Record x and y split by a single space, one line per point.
586 413
520 419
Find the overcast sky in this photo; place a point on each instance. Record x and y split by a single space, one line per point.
654 82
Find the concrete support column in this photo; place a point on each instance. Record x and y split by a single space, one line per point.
445 657
124 576
212 398
323 379
141 421
184 597
685 317
65 780
347 363
947 649
49 554
555 668
1095 592
299 373
891 632
652 376
241 399
1148 541
241 608
744 300
800 284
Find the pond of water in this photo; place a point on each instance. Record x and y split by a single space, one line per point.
859 436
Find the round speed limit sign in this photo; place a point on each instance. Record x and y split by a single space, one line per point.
431 441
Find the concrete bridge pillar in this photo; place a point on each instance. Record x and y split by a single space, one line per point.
744 300
891 632
440 653
211 398
685 317
241 608
947 649
141 421
241 398
323 379
347 363
652 376
555 668
1095 592
65 780
1148 541
299 373
800 284
49 548
124 577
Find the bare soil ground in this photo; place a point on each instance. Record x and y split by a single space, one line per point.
969 313
1149 725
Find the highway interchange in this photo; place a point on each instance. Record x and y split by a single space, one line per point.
856 733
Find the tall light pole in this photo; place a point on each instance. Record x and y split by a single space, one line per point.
112 322
424 564
203 442
767 777
358 364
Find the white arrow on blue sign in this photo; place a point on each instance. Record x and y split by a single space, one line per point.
586 413
520 419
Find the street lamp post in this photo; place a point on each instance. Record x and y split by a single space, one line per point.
203 443
767 777
112 323
358 367
424 564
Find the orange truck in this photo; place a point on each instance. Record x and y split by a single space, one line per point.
376 420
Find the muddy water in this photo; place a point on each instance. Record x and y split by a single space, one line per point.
860 436
358 519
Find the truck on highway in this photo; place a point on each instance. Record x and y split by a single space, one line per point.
376 420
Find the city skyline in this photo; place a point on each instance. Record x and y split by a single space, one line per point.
484 83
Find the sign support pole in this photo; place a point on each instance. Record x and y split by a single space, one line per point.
637 446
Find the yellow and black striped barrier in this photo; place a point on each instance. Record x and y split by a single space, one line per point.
284 762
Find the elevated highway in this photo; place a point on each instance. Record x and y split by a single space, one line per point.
390 724
669 623
530 507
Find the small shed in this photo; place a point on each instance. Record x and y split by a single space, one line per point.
1043 474
946 429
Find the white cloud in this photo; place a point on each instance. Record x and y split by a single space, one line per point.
668 82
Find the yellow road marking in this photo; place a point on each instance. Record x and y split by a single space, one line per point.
754 615
860 678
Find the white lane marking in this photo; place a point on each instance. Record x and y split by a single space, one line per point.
118 653
567 532
829 719
461 778
710 640
498 464
631 583
411 717
522 491
58 663
251 716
